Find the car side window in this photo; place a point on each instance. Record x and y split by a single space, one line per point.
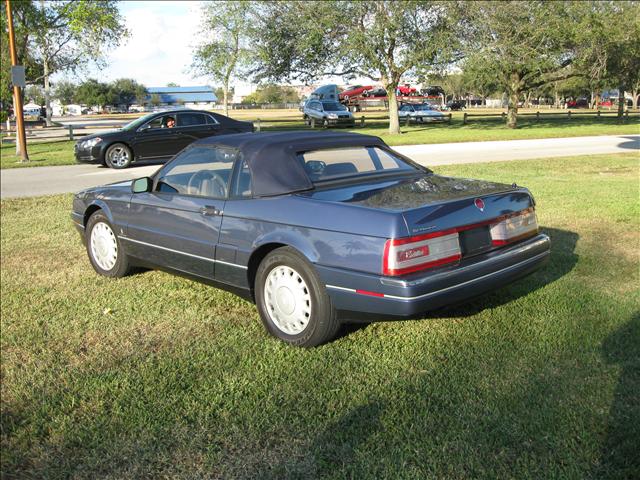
199 171
242 187
191 119
210 120
159 122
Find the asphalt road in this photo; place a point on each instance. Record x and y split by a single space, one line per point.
30 182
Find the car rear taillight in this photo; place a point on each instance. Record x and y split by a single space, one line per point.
406 255
514 227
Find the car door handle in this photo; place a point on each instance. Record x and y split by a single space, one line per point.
210 210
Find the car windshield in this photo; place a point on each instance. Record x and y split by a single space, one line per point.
333 107
423 107
138 122
337 163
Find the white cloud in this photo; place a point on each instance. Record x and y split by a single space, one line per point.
159 48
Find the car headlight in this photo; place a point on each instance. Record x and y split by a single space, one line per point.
92 142
332 115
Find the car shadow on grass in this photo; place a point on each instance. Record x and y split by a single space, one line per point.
563 259
620 453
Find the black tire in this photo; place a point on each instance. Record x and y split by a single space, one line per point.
322 324
307 120
118 156
325 123
121 267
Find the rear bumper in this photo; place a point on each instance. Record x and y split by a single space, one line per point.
419 293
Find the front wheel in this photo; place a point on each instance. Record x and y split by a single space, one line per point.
118 156
292 301
105 251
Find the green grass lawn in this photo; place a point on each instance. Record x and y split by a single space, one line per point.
154 376
61 153
494 129
40 154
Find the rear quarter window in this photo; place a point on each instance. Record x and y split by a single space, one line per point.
337 163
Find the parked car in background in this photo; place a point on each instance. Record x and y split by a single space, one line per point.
407 90
355 91
578 103
421 113
433 91
316 227
327 113
378 92
455 105
156 136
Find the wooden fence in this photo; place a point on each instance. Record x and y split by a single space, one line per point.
466 117
73 132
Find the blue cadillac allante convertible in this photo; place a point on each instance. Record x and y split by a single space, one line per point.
316 228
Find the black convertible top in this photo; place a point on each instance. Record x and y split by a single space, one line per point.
272 156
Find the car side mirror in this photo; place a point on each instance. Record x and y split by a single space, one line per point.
142 185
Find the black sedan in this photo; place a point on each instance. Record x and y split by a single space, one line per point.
156 136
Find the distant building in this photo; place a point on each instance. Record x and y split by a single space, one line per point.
241 91
191 97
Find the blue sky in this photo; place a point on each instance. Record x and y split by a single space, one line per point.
158 50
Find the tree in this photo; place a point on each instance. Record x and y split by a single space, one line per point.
524 44
127 91
94 93
34 93
24 17
383 40
219 92
623 52
453 84
70 34
65 92
172 84
155 99
481 81
272 93
226 26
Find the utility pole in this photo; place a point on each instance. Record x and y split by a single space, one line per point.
17 98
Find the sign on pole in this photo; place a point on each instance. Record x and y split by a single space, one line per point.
17 76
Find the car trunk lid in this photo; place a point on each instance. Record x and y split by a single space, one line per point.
433 203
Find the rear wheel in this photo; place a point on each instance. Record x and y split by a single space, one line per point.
105 251
292 302
118 156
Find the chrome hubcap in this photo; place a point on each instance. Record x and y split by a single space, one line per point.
104 247
287 299
119 156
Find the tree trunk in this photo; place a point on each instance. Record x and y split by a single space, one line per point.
512 109
225 97
47 94
620 102
634 93
394 120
